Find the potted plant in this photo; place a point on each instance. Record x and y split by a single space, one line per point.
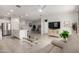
65 35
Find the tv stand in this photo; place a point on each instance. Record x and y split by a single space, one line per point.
53 32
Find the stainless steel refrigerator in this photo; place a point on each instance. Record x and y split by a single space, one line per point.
6 29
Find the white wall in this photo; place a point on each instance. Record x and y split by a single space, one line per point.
15 27
36 22
44 26
15 23
24 23
66 20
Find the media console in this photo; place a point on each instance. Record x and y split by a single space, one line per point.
53 29
53 33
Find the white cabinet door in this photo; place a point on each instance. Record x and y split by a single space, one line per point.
23 34
15 26
15 23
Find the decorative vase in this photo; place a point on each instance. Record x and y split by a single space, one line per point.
65 40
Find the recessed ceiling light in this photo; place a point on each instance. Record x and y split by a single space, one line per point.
40 10
11 10
26 15
8 13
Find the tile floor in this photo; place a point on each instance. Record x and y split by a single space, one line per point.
14 45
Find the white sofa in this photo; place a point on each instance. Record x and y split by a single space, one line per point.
71 46
54 47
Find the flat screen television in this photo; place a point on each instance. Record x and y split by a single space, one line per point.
54 25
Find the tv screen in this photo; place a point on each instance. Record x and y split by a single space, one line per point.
54 25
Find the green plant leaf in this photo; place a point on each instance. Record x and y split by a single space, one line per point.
64 34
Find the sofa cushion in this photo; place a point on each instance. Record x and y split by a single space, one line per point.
58 43
56 50
45 49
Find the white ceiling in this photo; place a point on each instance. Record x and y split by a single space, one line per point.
32 10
